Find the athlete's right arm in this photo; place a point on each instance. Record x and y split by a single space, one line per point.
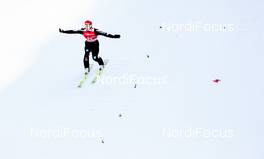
70 31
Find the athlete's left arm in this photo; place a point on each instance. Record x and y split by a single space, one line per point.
98 32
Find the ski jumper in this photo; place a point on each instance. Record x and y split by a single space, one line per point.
91 44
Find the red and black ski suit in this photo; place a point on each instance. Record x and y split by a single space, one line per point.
91 43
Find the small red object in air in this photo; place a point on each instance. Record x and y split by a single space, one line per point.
216 80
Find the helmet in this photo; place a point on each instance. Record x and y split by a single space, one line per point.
88 22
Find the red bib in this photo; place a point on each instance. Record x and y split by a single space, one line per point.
90 35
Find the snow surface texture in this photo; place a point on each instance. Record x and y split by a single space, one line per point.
41 68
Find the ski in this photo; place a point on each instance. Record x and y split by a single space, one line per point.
99 72
85 77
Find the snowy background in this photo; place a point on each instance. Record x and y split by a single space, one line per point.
185 116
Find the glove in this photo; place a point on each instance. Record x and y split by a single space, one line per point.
60 30
117 36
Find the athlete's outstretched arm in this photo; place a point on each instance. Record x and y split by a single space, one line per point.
98 32
70 31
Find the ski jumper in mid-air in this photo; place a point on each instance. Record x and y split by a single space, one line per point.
91 43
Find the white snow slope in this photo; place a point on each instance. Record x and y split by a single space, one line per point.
43 115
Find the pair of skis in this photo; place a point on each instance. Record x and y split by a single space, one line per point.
97 76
